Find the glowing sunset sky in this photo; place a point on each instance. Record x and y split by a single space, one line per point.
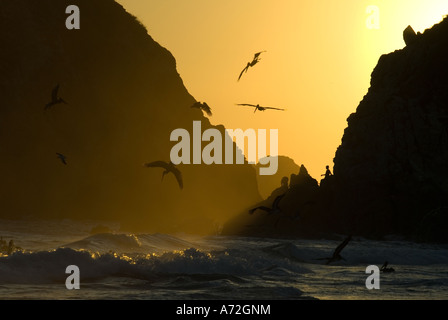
319 58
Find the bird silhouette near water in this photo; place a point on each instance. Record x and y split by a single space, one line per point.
55 99
254 61
259 108
384 268
169 167
204 107
337 252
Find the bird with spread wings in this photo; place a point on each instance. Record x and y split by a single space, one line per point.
254 61
55 99
275 207
204 107
169 167
259 108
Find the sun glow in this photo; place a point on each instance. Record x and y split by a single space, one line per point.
318 61
425 16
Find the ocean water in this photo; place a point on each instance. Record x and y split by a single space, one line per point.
125 266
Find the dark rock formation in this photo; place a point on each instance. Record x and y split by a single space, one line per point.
391 168
409 36
124 98
286 167
297 206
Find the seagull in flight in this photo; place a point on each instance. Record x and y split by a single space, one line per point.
275 207
62 158
254 61
259 108
55 99
169 167
204 107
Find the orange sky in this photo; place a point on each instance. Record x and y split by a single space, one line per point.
319 58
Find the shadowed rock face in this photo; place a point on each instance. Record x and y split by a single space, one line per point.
125 98
391 168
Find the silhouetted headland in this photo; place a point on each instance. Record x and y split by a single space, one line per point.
129 97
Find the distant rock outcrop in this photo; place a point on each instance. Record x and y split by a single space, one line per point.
125 97
299 200
266 184
409 36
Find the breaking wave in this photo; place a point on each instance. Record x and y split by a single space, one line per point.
146 257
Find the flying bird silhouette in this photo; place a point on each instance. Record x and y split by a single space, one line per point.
55 99
169 167
254 61
204 107
275 207
259 108
62 158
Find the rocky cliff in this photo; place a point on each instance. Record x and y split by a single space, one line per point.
391 168
124 98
